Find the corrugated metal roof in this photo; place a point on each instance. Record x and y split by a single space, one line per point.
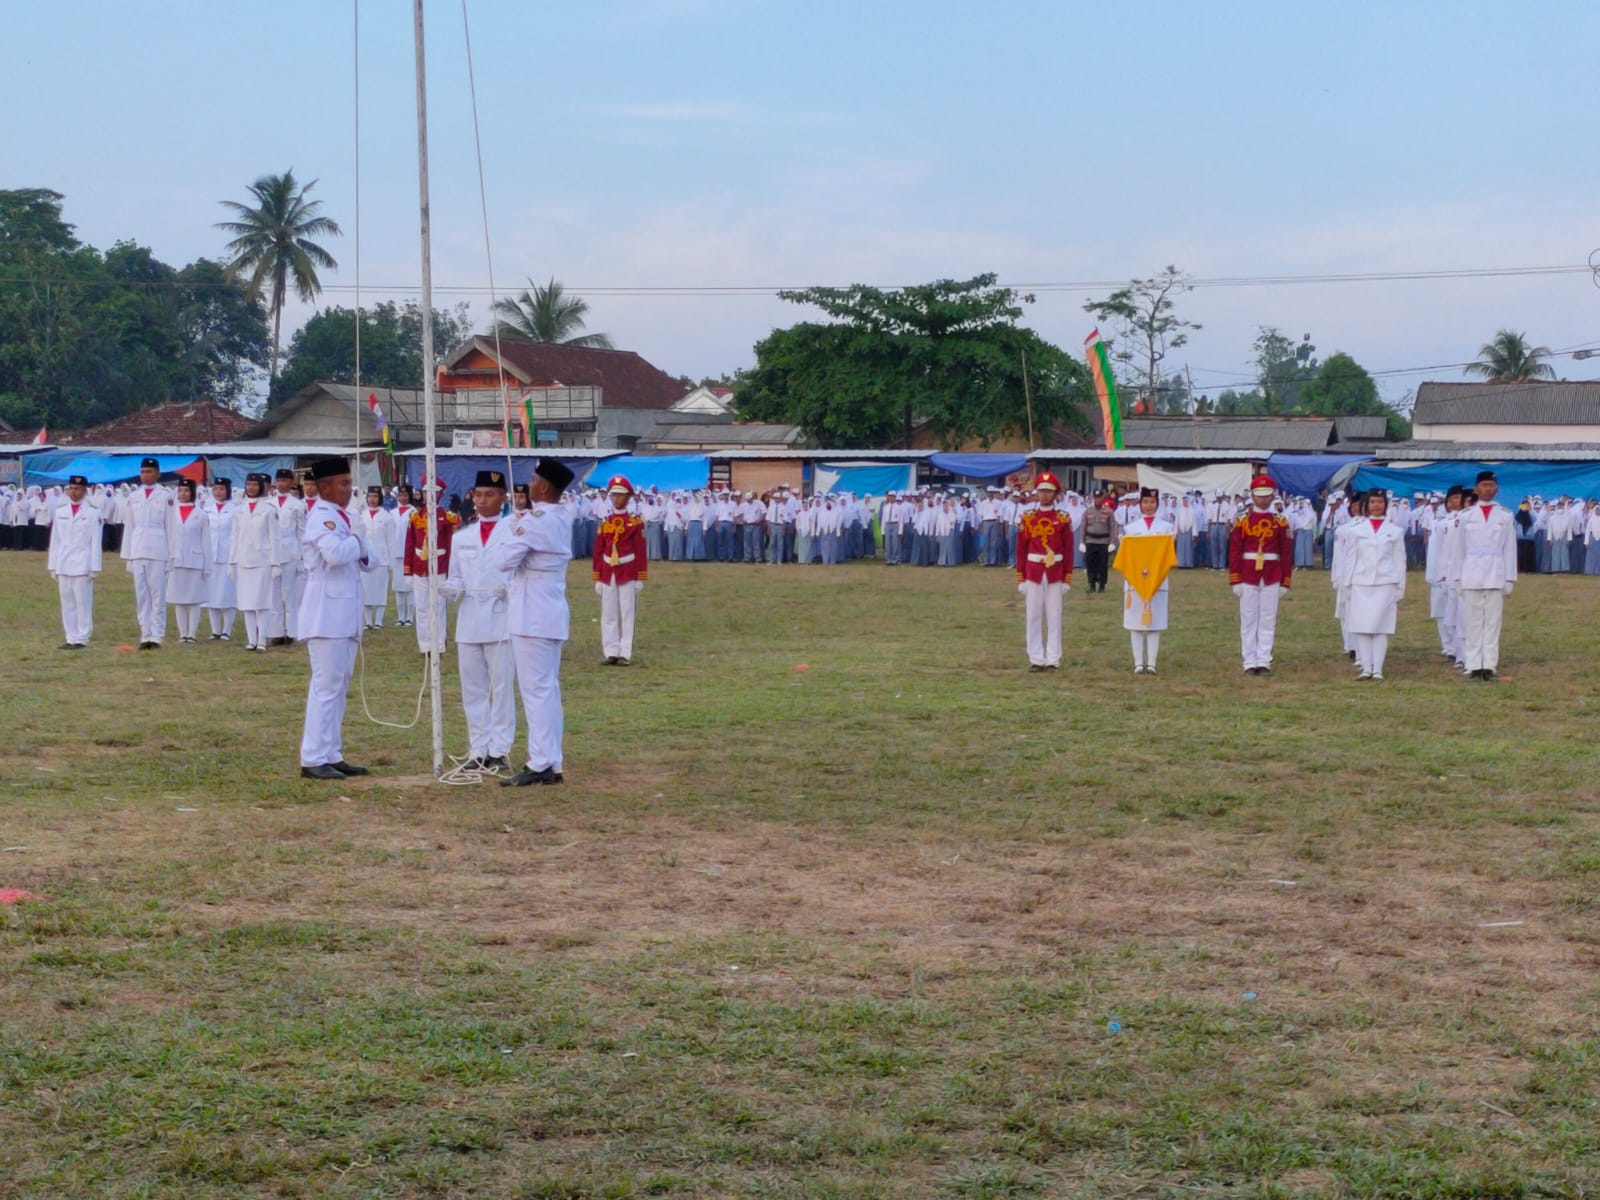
1296 434
1554 403
1429 451
724 434
25 447
1361 428
1138 454
257 448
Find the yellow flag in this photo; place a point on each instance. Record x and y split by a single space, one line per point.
1145 562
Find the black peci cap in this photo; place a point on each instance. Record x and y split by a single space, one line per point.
77 481
553 470
1486 477
327 468
149 462
285 473
491 479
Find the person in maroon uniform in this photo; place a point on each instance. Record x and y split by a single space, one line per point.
1260 561
620 570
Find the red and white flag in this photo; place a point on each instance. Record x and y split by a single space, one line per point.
40 440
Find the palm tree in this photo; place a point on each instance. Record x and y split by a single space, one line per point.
1509 359
272 244
547 314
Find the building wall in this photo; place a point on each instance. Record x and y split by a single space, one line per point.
1533 435
757 475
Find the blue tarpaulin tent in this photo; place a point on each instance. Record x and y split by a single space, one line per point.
863 479
460 472
1516 479
96 468
1307 474
980 466
666 472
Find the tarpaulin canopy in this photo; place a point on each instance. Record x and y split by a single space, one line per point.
97 468
1307 474
1516 479
980 466
665 472
235 468
459 473
1208 481
863 479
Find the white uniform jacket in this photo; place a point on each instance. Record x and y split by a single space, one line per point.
1374 558
75 541
481 586
1484 548
150 523
291 527
255 535
535 555
331 554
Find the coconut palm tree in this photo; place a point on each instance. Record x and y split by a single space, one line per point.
272 244
1509 359
547 314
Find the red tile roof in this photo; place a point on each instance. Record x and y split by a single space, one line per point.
625 379
166 425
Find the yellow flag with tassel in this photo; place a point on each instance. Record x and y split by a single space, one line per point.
1145 562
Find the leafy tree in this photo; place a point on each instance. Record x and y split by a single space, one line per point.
32 217
272 245
391 346
950 352
547 314
1144 325
1509 359
1342 388
1282 367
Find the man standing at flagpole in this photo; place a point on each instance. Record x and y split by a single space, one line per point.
1483 565
1260 562
1044 573
149 540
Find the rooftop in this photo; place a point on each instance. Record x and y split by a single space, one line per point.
626 380
166 424
1559 402
1263 434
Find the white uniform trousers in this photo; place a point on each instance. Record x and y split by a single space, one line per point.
618 603
1455 624
287 614
77 607
1146 645
333 662
1042 602
1258 623
1480 610
150 593
488 681
1371 650
429 601
539 680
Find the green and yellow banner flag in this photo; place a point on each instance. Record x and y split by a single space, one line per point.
1145 562
1105 387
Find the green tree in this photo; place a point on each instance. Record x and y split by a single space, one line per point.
1144 325
272 245
31 217
1282 368
547 314
1509 359
391 346
950 352
1342 388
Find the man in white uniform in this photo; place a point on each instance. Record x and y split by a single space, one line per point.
1484 565
483 640
535 556
332 554
75 562
150 534
291 529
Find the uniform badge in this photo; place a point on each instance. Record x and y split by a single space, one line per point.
538 512
328 525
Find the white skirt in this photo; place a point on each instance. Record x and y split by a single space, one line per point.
1371 608
1133 609
220 591
375 586
399 581
186 585
257 590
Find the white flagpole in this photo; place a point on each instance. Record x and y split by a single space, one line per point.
430 463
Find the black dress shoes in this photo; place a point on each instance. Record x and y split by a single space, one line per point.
323 772
528 776
345 768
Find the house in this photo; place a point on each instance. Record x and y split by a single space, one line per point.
337 414
707 402
1515 414
175 424
695 431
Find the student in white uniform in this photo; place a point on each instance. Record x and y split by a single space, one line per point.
191 564
1484 565
405 599
330 619
483 638
253 560
1146 639
1373 559
291 529
534 556
75 561
1444 601
221 595
150 528
376 528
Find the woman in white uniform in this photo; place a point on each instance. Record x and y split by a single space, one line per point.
1146 638
376 527
405 600
191 564
1376 554
254 561
221 598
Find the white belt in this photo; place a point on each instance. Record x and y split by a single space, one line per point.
1262 557
620 561
1040 558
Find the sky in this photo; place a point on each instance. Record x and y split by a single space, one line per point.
647 153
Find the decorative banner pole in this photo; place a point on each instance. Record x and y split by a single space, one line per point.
1105 387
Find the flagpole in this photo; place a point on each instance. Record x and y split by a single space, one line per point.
430 460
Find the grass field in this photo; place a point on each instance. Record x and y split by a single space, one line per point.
907 922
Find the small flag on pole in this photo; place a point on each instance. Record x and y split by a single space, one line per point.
380 422
1105 387
41 439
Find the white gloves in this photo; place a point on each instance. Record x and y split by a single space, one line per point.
500 592
1082 549
1238 590
1508 588
1022 588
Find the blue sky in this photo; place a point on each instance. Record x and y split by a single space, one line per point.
702 143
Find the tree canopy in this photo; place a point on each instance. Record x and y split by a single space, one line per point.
948 352
1142 328
1509 359
87 336
391 346
547 314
